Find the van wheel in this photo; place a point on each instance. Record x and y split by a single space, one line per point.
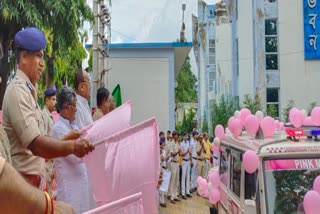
213 210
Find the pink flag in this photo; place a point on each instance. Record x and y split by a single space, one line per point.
55 115
117 120
128 205
127 163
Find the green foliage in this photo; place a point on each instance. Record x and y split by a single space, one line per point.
186 91
60 20
311 106
187 122
286 110
253 105
90 60
222 111
272 111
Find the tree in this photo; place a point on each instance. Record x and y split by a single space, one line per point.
253 105
223 110
60 20
311 106
187 122
286 110
272 110
186 91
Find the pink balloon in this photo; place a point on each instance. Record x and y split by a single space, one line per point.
244 113
235 127
292 111
219 131
214 178
205 193
55 116
315 116
229 123
252 124
250 161
296 118
199 178
311 202
267 126
214 196
308 121
316 185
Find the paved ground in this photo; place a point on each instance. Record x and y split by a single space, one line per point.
194 205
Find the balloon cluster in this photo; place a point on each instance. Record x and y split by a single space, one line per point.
300 118
252 123
210 189
311 200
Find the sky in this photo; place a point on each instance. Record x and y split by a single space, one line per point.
152 20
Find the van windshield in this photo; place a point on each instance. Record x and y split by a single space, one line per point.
286 183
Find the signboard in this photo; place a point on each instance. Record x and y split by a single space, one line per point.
291 164
311 22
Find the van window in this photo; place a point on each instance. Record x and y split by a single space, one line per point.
286 183
251 189
235 175
223 168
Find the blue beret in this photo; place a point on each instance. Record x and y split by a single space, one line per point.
49 92
174 133
195 133
185 133
31 39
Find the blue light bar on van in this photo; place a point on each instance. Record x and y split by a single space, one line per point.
315 132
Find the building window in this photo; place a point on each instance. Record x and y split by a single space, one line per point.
271 43
212 52
273 102
212 77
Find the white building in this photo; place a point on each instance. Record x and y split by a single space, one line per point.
146 73
275 51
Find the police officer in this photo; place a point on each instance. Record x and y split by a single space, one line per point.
23 119
50 101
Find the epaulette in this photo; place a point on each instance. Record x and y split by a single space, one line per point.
29 85
17 80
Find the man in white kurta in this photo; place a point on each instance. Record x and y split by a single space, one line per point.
83 114
72 177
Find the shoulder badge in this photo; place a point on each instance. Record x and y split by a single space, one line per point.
29 85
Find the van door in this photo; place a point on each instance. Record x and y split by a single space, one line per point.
224 177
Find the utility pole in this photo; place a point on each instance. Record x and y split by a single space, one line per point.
100 45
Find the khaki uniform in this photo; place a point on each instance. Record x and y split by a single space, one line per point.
174 166
5 146
2 162
48 120
97 114
201 162
207 155
23 122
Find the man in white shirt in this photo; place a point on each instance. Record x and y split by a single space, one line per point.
194 174
186 161
83 113
82 88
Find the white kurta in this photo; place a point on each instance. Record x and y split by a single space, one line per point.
83 114
72 177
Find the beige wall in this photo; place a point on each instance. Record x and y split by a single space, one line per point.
299 78
146 82
245 38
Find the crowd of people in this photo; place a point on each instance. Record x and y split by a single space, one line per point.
186 157
35 151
